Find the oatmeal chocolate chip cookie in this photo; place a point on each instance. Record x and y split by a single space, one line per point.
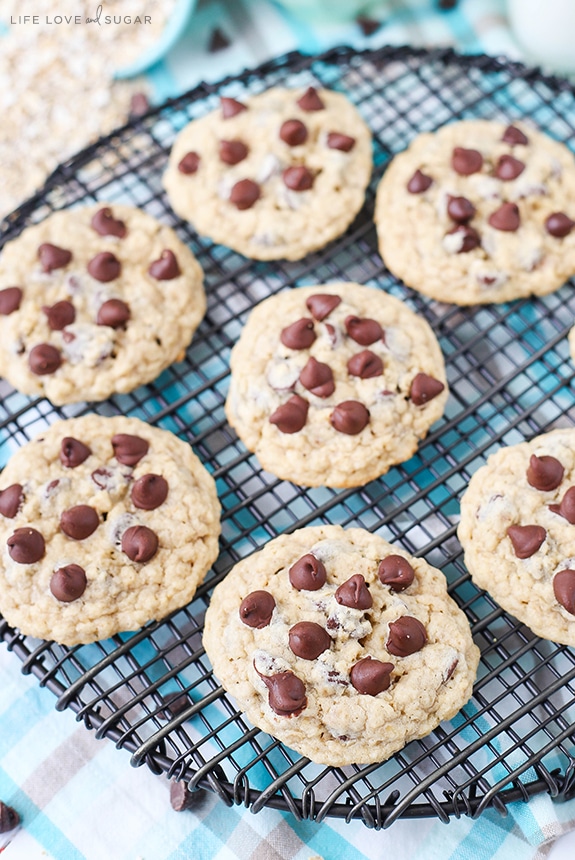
479 212
275 176
340 645
105 524
518 532
331 385
94 301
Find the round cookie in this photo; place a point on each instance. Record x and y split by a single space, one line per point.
340 645
93 301
275 176
518 532
479 212
105 524
333 384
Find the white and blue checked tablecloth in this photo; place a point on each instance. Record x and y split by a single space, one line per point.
79 797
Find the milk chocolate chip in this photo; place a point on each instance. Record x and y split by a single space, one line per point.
10 500
149 492
506 218
308 573
370 676
26 546
343 142
298 178
354 593
406 636
128 449
113 313
257 608
299 335
564 589
104 267
424 388
349 417
286 693
189 163
308 640
73 452
365 365
230 107
544 473
567 506
310 100
559 225
293 132
44 358
363 330
244 194
9 818
466 161
460 209
396 572
321 305
104 223
52 257
139 543
526 540
291 416
10 300
60 315
514 135
419 183
232 151
166 267
470 238
317 377
508 168
79 522
68 583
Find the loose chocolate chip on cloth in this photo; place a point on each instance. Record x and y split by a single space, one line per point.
342 681
273 176
518 533
105 523
80 295
479 211
332 385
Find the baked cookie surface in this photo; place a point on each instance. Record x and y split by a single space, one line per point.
333 384
274 177
479 212
340 645
517 529
94 301
105 524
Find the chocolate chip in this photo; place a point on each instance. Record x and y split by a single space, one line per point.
514 135
128 449
293 132
446 5
558 224
298 178
139 543
9 818
218 41
298 335
508 168
26 546
10 300
79 522
257 608
310 100
564 589
231 107
104 223
354 593
526 540
321 305
232 151
10 500
73 452
308 573
60 315
544 473
460 209
317 377
104 267
424 388
68 583
189 163
286 693
419 183
166 267
567 506
406 636
343 142
149 492
114 313
466 161
396 572
363 330
52 257
177 703
308 640
365 364
370 676
244 194
181 798
291 416
349 417
506 218
368 26
44 358
470 238
139 104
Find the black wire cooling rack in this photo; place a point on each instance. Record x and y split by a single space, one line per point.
510 378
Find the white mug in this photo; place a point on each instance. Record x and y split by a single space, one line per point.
545 29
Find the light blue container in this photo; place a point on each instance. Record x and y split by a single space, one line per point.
174 28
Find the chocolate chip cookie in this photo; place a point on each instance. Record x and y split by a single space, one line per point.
105 524
94 301
479 212
331 385
274 176
340 645
518 532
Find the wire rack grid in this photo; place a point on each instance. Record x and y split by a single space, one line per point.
510 376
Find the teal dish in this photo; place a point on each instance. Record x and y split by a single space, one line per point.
174 28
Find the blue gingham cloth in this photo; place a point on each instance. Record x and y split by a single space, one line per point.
78 797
